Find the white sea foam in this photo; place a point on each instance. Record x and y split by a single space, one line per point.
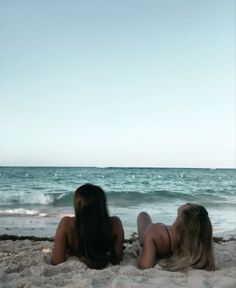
41 199
23 198
21 212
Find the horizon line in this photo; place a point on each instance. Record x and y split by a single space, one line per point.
111 167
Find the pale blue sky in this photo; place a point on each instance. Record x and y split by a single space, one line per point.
117 83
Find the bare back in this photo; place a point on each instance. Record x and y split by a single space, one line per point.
158 242
65 240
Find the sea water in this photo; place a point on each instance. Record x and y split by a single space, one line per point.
33 199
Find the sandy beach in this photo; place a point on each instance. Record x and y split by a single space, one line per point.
26 263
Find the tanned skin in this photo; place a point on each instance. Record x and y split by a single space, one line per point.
65 239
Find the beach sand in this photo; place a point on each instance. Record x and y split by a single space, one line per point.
26 263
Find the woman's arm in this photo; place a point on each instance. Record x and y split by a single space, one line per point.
118 239
143 221
60 246
147 258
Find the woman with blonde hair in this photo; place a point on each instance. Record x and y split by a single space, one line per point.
187 244
91 234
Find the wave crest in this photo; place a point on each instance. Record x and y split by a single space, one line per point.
21 212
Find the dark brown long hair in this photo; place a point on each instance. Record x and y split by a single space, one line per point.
93 231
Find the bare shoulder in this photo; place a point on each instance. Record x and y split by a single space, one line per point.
116 225
114 220
155 228
155 232
66 222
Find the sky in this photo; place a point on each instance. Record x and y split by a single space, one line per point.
133 83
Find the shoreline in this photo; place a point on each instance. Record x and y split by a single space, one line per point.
133 238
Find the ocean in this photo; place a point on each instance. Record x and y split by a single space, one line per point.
33 199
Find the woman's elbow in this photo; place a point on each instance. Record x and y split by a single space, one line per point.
55 261
116 259
142 265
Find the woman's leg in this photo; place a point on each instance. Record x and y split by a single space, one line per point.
143 221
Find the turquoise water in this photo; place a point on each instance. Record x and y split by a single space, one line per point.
33 199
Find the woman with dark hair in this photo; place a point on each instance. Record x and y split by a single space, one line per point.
92 235
188 243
